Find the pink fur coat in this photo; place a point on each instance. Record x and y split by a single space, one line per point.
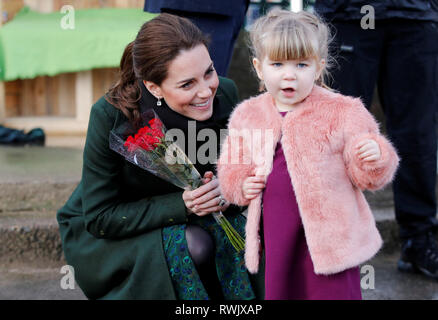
318 139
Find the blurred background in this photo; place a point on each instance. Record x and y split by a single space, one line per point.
50 76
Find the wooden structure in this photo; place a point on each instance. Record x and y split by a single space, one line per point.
59 104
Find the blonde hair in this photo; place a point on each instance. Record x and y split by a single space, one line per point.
286 35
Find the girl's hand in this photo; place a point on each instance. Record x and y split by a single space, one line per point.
368 150
252 186
205 199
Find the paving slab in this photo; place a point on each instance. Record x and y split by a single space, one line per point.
40 164
36 282
43 282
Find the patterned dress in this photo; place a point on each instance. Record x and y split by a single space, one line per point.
232 273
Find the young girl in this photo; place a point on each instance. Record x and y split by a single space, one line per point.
325 149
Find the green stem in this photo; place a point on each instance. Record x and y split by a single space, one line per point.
235 239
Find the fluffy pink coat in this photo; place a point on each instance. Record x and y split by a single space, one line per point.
319 140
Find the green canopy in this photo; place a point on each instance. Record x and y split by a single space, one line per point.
35 44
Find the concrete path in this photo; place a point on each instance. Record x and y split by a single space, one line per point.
380 281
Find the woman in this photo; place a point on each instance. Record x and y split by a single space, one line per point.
129 234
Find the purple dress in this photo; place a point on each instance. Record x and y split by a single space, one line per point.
289 268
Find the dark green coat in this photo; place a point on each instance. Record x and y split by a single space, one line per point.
111 225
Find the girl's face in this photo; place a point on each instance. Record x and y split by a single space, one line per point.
288 81
191 84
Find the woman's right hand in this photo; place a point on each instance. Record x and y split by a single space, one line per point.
253 186
205 199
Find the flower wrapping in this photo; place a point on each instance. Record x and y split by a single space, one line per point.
149 149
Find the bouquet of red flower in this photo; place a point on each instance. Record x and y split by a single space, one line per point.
149 149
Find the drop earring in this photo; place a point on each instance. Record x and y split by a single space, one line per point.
159 102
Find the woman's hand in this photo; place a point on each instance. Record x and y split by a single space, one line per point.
205 199
368 150
252 186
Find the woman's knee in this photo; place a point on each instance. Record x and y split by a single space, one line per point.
200 245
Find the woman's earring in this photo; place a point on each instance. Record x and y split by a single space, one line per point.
159 102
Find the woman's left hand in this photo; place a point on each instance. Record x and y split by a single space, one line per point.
368 150
206 198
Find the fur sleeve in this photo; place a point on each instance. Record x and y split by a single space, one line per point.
360 125
234 164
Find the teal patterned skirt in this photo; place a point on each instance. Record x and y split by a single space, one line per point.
230 266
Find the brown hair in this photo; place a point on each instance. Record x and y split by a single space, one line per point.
157 44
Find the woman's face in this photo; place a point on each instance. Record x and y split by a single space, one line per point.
191 84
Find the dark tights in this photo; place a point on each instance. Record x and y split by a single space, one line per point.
202 250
